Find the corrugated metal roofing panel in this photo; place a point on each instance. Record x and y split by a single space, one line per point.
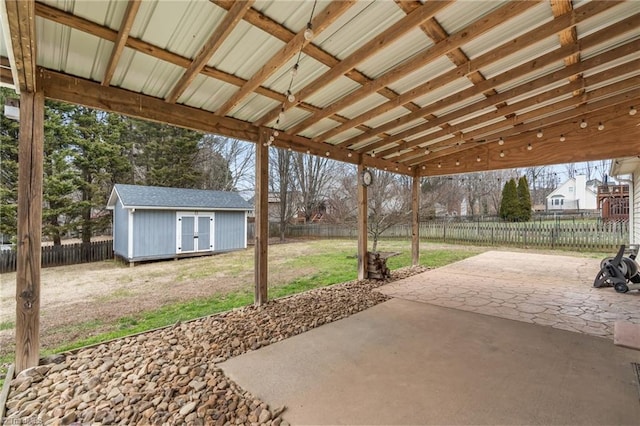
257 48
338 89
545 103
351 133
319 127
607 18
357 26
150 76
514 27
293 18
423 75
459 105
486 123
460 14
412 43
219 92
308 71
363 105
180 27
523 56
53 40
531 76
83 52
629 37
535 92
387 116
443 92
472 114
252 107
292 117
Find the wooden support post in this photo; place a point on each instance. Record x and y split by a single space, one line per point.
415 220
362 226
262 218
30 162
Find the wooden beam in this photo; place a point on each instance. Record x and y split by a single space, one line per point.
30 167
367 50
270 26
454 41
125 27
324 19
544 117
141 46
620 138
568 36
84 92
22 28
219 35
503 78
476 64
540 98
261 272
363 230
415 219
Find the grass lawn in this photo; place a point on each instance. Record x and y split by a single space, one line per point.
320 262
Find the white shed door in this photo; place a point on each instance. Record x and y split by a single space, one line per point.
194 232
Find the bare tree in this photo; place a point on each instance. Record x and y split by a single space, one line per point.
281 183
313 176
389 203
239 156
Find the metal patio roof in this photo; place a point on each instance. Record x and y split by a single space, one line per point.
426 88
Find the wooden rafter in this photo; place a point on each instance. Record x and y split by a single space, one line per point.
507 76
270 26
319 23
567 36
219 35
503 50
369 49
84 92
531 86
535 119
22 26
125 27
621 132
454 41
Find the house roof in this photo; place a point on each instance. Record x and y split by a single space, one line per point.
422 88
156 197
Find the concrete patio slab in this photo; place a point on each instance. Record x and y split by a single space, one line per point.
403 362
548 290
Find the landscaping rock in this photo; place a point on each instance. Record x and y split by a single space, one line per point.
169 376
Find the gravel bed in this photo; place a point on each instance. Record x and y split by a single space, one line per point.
169 376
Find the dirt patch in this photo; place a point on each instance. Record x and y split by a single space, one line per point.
106 291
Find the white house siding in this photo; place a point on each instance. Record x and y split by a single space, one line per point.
634 212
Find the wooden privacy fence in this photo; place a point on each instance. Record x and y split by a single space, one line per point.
68 254
575 236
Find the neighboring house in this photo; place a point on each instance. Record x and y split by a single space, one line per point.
273 200
574 194
627 171
151 222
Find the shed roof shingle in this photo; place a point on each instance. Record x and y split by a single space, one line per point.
160 197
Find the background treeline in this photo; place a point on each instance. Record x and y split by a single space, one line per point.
87 151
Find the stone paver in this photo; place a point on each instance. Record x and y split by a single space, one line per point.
547 290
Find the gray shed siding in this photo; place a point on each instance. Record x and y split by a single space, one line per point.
120 230
230 230
154 234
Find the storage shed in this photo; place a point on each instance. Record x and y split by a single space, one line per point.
151 222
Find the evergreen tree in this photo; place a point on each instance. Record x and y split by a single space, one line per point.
61 179
524 200
509 205
9 131
166 155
